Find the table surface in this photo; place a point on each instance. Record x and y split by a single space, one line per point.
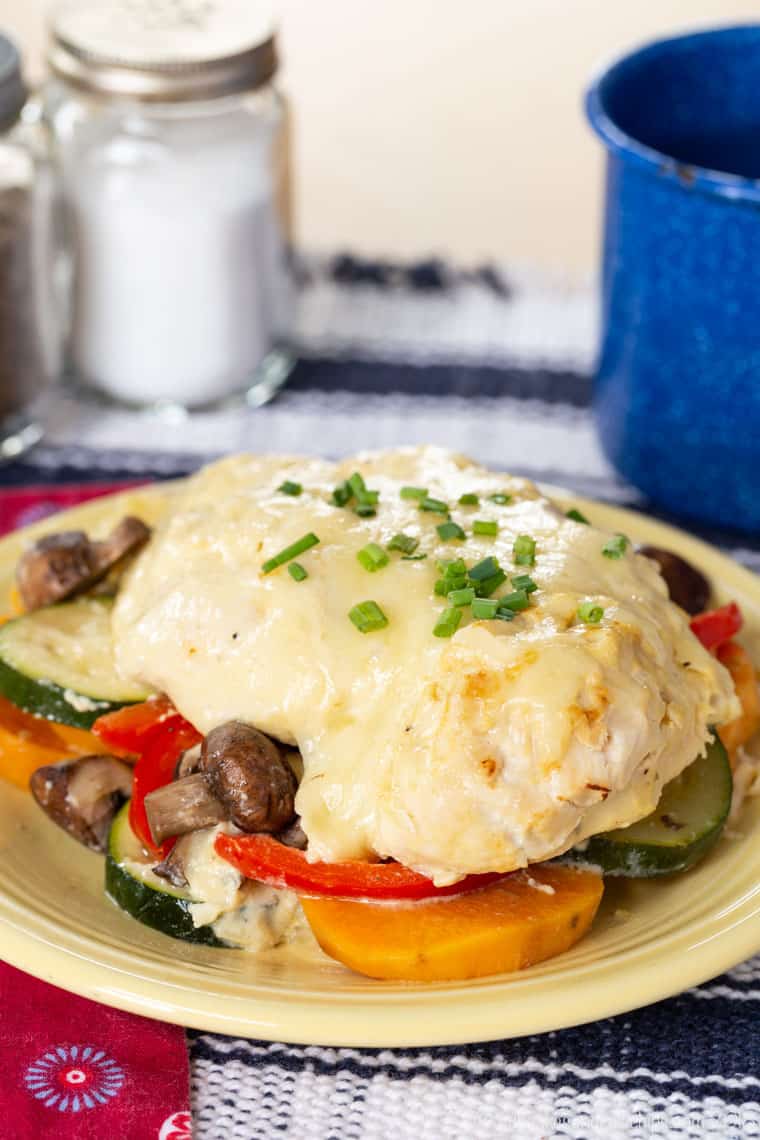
496 364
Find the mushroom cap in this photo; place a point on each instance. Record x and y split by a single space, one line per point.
248 774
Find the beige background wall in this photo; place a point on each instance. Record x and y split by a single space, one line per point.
441 126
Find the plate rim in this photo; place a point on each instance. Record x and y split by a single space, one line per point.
457 1013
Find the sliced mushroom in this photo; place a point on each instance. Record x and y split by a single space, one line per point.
687 586
188 763
126 538
249 775
294 835
55 567
182 806
61 565
83 795
172 868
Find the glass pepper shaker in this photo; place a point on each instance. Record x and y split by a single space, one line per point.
169 136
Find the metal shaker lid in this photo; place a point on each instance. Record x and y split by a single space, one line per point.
164 50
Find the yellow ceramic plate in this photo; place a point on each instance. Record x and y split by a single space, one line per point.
650 940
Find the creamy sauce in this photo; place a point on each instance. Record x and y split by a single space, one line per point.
210 879
245 914
504 745
264 917
248 915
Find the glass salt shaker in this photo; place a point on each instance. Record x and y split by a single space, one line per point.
29 326
170 138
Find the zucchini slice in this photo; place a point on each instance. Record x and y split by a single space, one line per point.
134 888
58 663
687 821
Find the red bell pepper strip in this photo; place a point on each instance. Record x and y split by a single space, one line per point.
127 730
154 769
714 627
264 859
158 734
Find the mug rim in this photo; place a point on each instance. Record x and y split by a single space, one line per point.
689 175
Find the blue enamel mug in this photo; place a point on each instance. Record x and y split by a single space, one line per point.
677 387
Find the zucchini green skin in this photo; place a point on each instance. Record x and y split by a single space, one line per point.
166 909
48 700
686 823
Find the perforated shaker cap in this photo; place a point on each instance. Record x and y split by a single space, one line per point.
12 87
164 49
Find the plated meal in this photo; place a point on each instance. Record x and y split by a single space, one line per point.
403 706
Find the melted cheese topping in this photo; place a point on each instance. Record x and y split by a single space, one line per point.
504 745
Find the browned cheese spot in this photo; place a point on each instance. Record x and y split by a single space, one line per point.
489 766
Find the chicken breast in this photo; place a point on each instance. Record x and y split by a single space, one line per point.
503 745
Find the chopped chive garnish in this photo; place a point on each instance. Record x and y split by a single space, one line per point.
503 614
367 617
615 547
485 569
413 492
590 613
366 500
576 516
468 500
484 608
413 557
354 488
524 582
444 585
403 542
341 495
463 597
289 553
449 530
500 498
524 550
448 622
483 526
436 506
516 601
484 587
297 572
452 567
357 484
290 488
372 557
